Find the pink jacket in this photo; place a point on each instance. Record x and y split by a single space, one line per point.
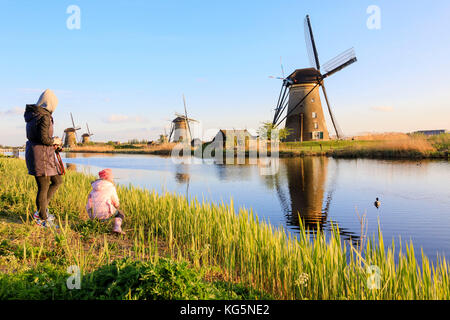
102 200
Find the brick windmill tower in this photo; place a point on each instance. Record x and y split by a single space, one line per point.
300 95
86 137
70 135
180 129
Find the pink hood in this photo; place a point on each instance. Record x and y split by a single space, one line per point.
102 200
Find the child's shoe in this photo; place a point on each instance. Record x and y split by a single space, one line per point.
118 226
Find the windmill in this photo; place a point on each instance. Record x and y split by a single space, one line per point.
163 138
70 134
300 94
180 128
86 136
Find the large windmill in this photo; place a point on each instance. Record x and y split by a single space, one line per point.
300 95
180 128
86 136
70 135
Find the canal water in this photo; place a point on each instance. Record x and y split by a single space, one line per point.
414 195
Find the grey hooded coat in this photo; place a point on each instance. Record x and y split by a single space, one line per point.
39 153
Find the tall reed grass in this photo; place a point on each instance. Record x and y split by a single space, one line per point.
245 248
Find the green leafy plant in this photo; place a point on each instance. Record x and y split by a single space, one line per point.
267 128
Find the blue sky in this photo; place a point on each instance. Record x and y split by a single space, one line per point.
125 70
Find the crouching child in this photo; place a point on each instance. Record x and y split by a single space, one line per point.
103 202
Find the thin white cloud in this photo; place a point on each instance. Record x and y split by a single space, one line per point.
12 112
382 108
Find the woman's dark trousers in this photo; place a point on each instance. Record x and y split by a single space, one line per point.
47 187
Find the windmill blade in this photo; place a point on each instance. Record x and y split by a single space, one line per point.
311 45
278 78
283 77
278 108
338 130
338 63
89 132
187 119
281 104
171 131
73 123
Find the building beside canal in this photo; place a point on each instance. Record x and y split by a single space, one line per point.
235 138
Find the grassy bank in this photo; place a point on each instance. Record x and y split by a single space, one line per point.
398 147
161 149
379 146
228 252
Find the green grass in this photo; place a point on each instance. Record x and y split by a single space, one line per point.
123 279
441 142
216 241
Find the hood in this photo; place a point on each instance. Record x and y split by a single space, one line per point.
100 184
32 111
48 100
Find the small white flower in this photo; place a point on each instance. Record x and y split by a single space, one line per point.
302 280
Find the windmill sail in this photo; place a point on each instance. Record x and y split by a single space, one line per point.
311 45
282 68
73 123
338 63
74 127
172 127
187 119
338 130
89 131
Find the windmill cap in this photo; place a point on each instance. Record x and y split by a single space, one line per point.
308 75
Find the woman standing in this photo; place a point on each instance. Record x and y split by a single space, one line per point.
40 153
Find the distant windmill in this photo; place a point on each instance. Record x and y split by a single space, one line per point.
70 135
300 95
86 136
181 129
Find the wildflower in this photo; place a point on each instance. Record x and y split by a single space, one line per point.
302 280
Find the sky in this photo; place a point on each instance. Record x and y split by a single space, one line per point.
125 69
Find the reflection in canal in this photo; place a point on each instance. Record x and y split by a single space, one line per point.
306 195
